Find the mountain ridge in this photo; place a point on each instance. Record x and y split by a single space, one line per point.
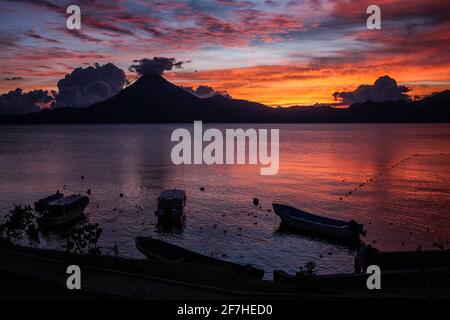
153 99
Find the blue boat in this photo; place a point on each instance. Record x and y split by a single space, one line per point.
348 231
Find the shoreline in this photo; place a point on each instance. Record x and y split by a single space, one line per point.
110 277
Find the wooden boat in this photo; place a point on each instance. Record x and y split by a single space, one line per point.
164 251
410 260
63 211
42 204
171 205
318 225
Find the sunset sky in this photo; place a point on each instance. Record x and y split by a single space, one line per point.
274 52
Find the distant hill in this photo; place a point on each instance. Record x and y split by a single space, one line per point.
152 99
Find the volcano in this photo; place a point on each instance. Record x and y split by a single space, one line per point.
152 98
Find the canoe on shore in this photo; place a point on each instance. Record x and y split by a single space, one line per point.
347 231
164 251
409 282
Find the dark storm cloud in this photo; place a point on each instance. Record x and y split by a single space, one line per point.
384 89
205 92
157 65
19 102
83 87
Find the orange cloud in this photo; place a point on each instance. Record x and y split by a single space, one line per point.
290 85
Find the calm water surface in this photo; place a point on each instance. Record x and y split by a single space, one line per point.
404 206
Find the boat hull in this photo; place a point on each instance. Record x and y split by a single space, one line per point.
42 204
338 232
53 222
175 217
164 251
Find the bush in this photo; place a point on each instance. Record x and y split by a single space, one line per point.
84 239
308 270
20 220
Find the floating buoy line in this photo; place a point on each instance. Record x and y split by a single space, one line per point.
440 243
380 174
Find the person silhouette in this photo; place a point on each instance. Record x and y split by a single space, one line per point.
360 257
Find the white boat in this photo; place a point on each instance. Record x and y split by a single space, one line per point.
63 211
171 206
347 231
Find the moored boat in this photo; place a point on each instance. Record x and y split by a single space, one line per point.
171 205
347 231
164 251
42 204
63 210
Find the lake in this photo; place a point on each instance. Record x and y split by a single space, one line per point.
403 204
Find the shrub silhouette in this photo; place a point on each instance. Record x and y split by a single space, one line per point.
83 239
20 220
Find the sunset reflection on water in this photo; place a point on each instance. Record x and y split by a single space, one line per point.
402 207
